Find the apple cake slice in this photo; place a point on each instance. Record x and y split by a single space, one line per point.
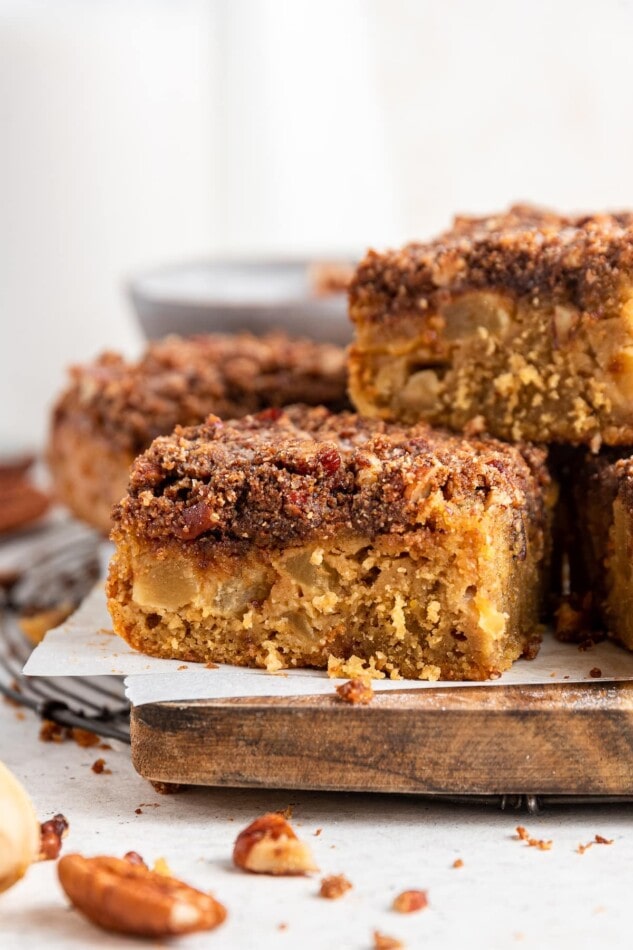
113 408
520 325
603 514
304 538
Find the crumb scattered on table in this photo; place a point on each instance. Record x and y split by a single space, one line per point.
334 886
383 942
99 767
539 843
408 902
458 863
597 839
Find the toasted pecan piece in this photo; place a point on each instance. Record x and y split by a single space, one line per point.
128 898
52 833
410 901
356 692
384 942
270 846
334 886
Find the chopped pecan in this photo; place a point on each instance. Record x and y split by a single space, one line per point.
410 901
597 839
334 886
84 738
133 857
128 898
355 692
167 788
52 832
539 843
383 942
270 846
52 732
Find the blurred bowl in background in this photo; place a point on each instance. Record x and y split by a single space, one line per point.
303 297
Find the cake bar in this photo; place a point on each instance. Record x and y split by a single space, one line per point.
113 408
603 509
304 538
520 325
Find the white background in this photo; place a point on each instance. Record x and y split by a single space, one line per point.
139 132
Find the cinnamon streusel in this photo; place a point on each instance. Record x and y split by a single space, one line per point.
113 408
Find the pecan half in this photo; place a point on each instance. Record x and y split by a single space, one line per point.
128 898
270 846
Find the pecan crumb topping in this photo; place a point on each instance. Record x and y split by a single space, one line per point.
522 251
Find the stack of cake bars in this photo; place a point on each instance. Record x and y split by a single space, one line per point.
414 538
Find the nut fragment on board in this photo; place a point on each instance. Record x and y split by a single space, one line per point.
123 897
19 830
270 846
355 692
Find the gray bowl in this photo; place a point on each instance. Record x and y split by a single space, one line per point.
232 295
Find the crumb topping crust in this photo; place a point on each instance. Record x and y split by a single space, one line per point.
525 251
283 476
181 380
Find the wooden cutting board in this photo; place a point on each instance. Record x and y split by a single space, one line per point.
523 740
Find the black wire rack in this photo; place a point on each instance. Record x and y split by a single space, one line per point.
41 569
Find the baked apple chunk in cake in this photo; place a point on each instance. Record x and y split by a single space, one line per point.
519 324
304 538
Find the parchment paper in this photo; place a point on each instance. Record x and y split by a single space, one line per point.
84 645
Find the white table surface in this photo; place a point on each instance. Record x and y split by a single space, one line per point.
506 895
